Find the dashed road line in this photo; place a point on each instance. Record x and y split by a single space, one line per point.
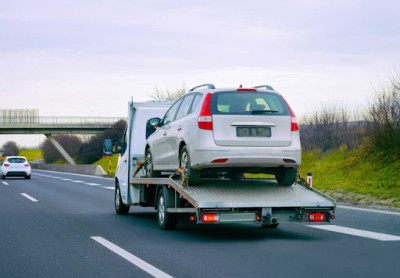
29 197
77 181
92 183
356 232
5 183
131 258
109 187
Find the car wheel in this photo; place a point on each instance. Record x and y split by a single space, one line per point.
166 199
120 207
286 176
28 177
193 176
150 173
3 177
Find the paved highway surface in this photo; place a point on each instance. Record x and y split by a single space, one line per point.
64 225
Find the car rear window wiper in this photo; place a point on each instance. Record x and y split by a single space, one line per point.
263 111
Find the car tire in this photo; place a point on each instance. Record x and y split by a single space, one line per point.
28 177
166 199
3 177
149 167
120 207
193 176
286 176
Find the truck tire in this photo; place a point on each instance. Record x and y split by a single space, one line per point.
120 207
166 199
184 163
150 173
286 176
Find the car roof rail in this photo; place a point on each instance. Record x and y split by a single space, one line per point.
208 85
268 87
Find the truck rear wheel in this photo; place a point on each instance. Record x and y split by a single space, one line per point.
120 207
193 176
166 199
286 176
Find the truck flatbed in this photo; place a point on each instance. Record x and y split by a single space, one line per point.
246 193
250 200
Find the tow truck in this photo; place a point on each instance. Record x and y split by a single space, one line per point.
213 201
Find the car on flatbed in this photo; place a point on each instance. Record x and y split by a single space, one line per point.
14 166
226 131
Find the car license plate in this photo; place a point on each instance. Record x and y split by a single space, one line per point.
259 131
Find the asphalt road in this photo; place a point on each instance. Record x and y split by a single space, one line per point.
64 225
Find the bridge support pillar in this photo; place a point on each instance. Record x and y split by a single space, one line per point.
59 148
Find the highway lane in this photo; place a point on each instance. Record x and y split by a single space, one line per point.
54 237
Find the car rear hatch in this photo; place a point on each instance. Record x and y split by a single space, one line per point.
17 164
249 118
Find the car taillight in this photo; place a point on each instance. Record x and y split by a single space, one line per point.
208 218
316 217
205 118
6 164
26 165
294 124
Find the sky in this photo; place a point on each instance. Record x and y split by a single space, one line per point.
89 58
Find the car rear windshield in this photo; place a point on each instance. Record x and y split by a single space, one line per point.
248 103
16 160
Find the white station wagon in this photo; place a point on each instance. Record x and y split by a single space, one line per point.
227 131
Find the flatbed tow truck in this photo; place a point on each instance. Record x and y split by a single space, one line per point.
213 201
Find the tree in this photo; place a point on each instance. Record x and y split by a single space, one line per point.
92 150
70 143
167 95
10 148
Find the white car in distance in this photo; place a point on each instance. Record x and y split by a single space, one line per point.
14 166
229 131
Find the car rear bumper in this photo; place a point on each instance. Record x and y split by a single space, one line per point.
17 173
242 157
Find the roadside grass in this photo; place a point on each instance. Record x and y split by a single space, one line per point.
104 162
31 154
355 176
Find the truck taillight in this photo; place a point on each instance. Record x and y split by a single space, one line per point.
294 124
210 218
205 118
315 217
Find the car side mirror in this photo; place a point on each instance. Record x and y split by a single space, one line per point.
151 126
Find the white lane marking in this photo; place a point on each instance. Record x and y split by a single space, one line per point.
109 187
82 175
131 258
29 197
356 232
76 181
92 183
5 183
371 210
65 179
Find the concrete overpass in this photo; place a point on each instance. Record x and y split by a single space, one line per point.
50 126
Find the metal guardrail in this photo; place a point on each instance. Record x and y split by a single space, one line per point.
59 120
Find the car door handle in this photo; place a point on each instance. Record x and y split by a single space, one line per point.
165 133
179 128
